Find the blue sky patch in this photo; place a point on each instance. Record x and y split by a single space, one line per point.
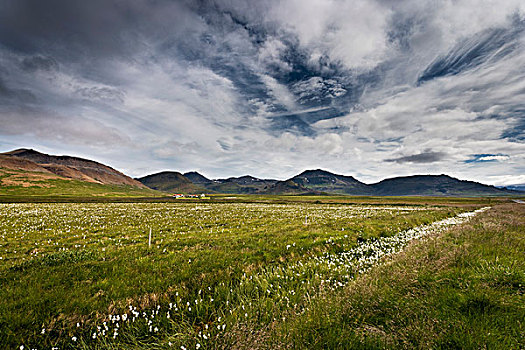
481 158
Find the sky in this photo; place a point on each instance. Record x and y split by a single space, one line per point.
368 88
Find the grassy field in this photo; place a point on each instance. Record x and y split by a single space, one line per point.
472 202
216 274
160 197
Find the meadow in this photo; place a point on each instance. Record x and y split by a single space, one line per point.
196 275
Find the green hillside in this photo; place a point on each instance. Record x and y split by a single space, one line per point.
32 183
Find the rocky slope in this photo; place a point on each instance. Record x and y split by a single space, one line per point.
70 167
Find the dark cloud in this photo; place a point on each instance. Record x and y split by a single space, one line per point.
225 145
291 123
15 96
4 90
103 94
36 63
300 121
425 157
27 24
50 126
80 30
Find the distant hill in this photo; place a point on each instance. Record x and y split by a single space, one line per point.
234 185
324 181
320 181
290 187
248 180
417 185
75 168
171 181
23 177
197 178
244 184
230 187
181 183
520 187
434 185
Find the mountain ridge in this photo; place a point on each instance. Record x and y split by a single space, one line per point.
444 185
312 182
319 181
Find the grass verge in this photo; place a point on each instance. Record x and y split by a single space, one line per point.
462 289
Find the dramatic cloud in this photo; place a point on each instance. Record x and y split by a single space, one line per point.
370 88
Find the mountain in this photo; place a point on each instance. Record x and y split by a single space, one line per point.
234 185
197 178
182 183
171 181
324 181
248 180
23 177
320 181
519 187
434 185
244 184
74 168
193 182
229 186
289 187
